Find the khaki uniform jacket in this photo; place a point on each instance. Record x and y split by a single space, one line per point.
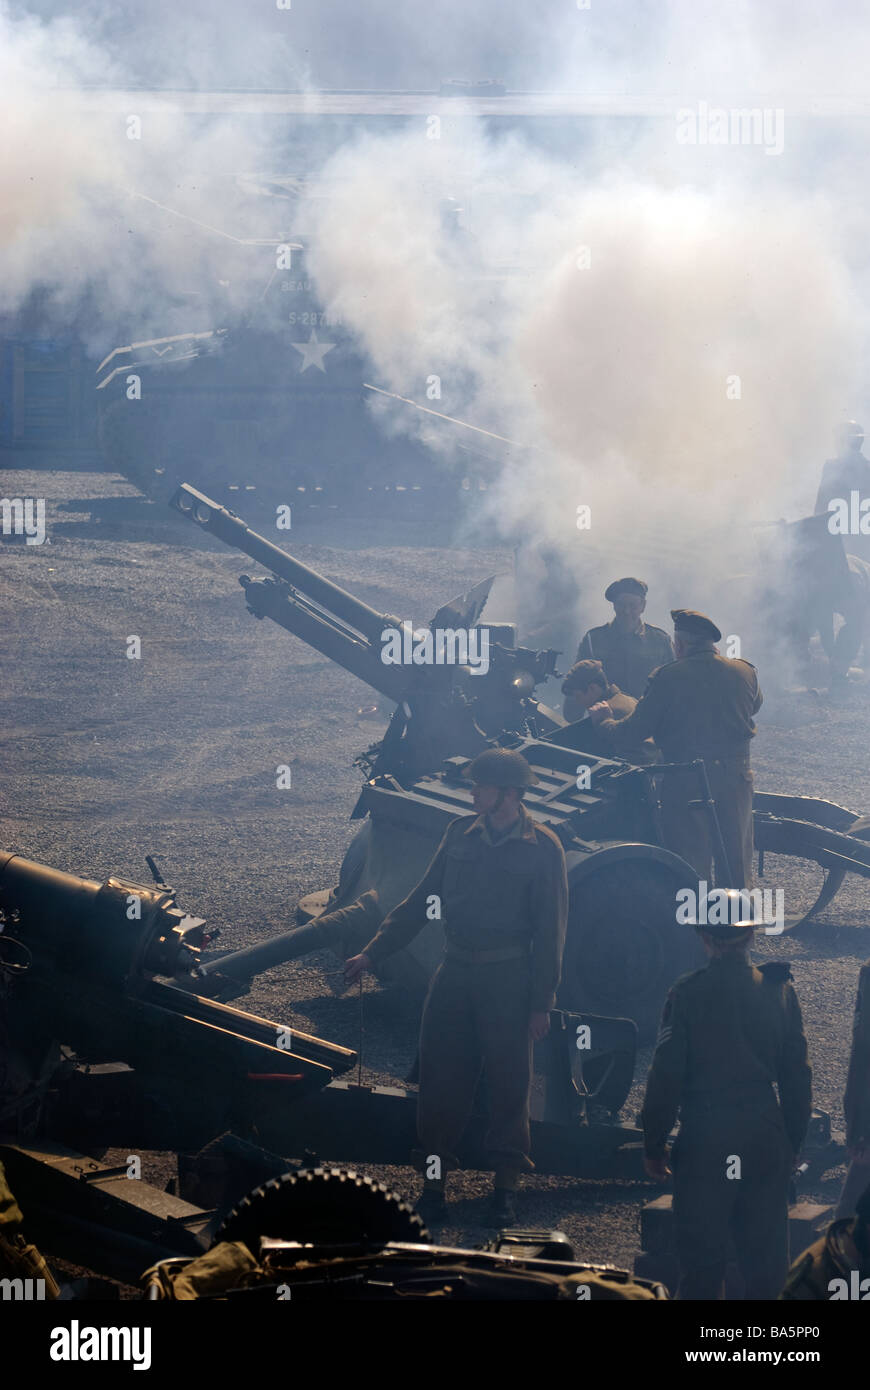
856 1102
698 707
493 896
729 1032
627 657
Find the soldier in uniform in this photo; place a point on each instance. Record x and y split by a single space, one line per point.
729 1032
700 706
587 689
628 648
585 685
852 602
856 1101
501 882
848 471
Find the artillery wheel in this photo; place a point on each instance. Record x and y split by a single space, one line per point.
333 1206
624 947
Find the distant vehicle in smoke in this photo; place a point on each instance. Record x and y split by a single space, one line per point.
275 410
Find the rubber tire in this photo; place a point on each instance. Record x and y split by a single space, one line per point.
331 1205
624 947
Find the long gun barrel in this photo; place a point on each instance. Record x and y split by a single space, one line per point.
349 928
456 683
299 599
221 522
105 965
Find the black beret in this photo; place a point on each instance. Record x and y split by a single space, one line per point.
625 586
695 624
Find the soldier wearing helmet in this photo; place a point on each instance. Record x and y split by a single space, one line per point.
847 472
729 1034
500 885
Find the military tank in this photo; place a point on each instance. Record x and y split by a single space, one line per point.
278 408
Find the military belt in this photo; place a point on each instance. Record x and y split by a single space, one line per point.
466 957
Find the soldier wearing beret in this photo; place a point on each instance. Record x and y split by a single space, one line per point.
501 881
700 706
628 648
729 1034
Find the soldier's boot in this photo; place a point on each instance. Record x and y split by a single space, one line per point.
502 1208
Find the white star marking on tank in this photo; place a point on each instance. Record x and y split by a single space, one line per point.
313 352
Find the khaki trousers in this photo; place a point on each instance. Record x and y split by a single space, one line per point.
749 1208
687 828
476 1017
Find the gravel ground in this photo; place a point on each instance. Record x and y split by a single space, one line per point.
104 759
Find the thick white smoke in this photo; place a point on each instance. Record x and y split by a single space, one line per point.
671 332
124 218
661 348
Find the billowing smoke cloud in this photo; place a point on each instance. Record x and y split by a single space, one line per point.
669 331
666 354
124 221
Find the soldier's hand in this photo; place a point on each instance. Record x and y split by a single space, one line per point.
599 712
539 1026
657 1169
356 966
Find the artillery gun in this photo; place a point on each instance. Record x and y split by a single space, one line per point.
624 946
108 1043
105 963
